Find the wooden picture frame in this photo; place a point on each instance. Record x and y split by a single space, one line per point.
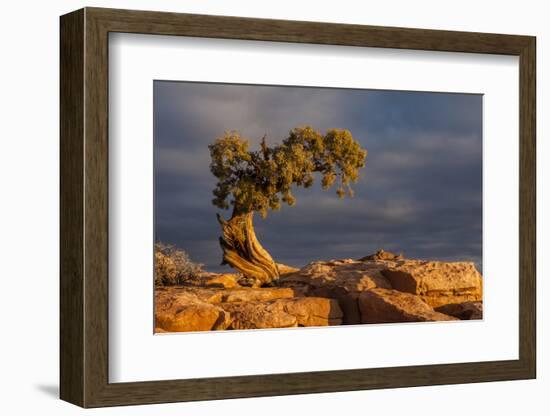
84 207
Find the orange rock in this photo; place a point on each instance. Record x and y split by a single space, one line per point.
312 311
343 280
464 311
181 311
257 315
379 288
283 313
382 255
353 276
215 280
436 282
256 294
386 305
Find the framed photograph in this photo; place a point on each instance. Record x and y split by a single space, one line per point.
254 207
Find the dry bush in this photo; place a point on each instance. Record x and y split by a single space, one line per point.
173 265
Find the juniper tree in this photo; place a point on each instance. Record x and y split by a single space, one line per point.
258 181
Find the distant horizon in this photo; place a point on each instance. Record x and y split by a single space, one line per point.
420 193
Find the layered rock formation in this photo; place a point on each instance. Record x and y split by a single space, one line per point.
437 283
380 288
387 305
190 308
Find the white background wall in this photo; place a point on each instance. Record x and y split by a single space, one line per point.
29 159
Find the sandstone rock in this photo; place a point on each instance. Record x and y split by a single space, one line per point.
464 311
193 317
382 287
387 305
181 311
219 295
225 280
257 315
382 255
351 275
204 294
437 283
312 311
346 300
343 280
284 313
256 294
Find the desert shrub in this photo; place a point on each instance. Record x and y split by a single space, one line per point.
173 265
165 270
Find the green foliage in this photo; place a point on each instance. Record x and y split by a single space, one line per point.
173 266
261 180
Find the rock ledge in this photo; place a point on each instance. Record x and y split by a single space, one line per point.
380 288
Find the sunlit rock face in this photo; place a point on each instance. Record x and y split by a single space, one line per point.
379 288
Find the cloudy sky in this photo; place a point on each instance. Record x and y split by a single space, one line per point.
420 192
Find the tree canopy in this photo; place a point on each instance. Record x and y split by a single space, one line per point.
262 179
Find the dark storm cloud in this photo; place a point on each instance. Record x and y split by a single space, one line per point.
420 192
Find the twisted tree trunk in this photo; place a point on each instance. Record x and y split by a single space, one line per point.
242 250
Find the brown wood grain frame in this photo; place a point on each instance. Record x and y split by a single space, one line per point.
84 207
